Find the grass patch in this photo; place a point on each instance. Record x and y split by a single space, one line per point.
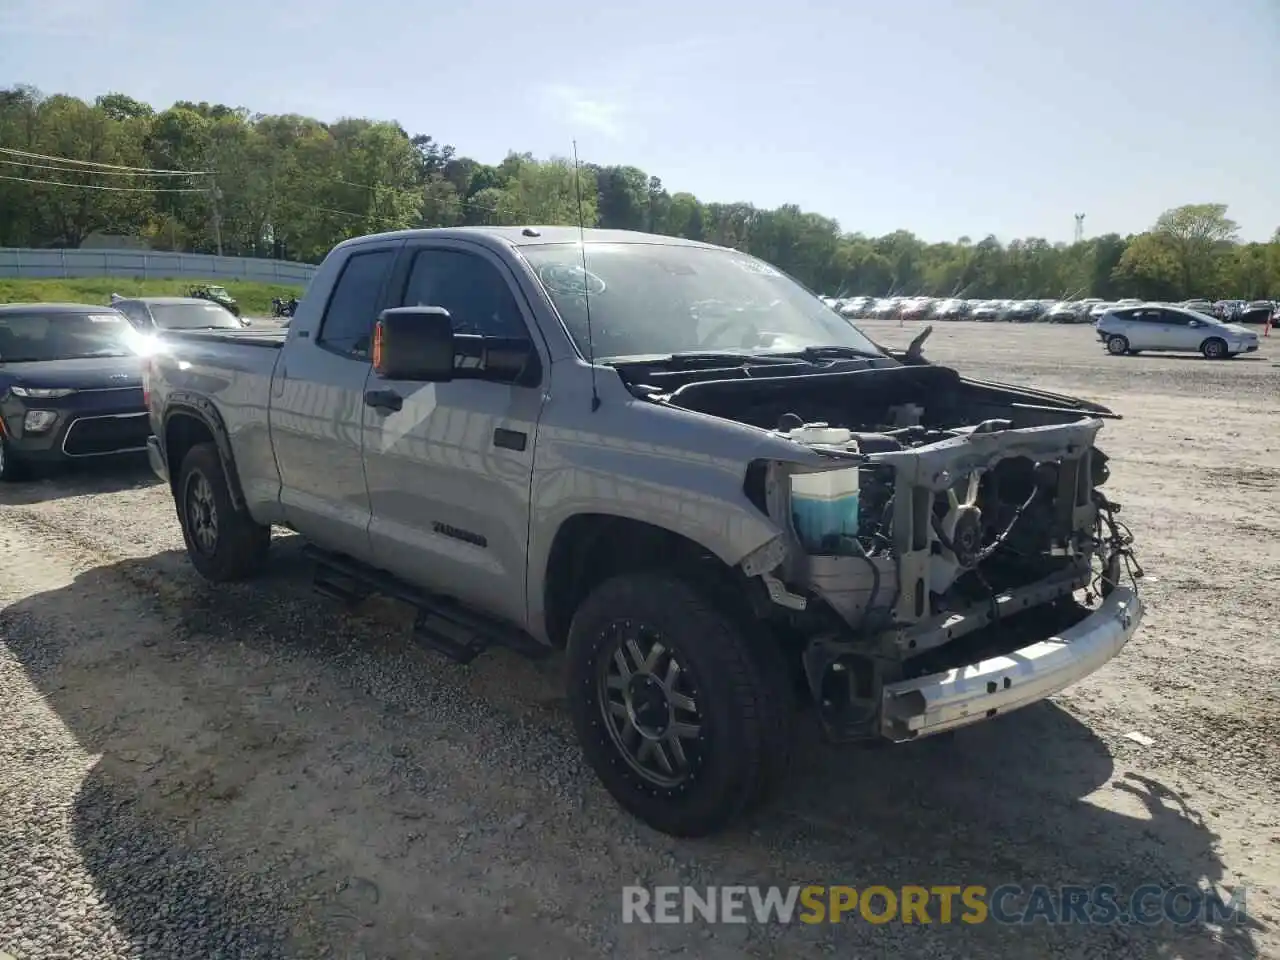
254 298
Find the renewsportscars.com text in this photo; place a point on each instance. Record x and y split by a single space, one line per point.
1149 904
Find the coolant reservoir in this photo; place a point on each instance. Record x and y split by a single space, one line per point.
824 505
820 433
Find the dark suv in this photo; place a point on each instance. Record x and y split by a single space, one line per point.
70 385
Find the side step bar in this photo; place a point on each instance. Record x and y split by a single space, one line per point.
442 624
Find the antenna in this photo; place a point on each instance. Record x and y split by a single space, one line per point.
586 294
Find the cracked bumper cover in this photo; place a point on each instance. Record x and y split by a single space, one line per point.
963 695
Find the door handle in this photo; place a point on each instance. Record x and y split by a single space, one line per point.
509 439
383 399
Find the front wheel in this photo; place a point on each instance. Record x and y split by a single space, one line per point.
223 542
1117 346
1214 348
674 710
10 467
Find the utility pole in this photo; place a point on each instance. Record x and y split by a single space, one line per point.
1079 228
216 195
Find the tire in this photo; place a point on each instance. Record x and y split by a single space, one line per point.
11 468
1117 345
735 743
237 547
1215 348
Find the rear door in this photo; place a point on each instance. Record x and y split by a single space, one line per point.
317 409
449 472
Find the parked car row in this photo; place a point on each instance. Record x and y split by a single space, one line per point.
1086 310
954 308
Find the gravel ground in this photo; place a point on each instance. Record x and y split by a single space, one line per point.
253 772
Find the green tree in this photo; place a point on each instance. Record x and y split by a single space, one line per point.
1197 236
291 186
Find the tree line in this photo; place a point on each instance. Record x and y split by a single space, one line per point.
211 178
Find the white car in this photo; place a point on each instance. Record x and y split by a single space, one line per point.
1127 330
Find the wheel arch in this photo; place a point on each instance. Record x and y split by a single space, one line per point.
190 420
589 548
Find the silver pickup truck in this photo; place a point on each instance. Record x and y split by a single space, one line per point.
722 500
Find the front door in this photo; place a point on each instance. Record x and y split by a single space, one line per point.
317 411
1179 333
449 472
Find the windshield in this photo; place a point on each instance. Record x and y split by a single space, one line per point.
192 316
62 336
658 299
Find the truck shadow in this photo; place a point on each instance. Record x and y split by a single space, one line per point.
218 698
88 478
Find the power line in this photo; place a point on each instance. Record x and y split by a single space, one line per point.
104 166
94 186
96 173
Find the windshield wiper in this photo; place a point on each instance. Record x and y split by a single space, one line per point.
836 352
712 356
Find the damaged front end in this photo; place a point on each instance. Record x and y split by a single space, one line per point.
965 561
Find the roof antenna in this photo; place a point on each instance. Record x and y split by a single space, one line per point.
586 296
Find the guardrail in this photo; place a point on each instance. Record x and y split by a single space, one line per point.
32 264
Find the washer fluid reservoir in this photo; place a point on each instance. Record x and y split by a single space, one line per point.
824 504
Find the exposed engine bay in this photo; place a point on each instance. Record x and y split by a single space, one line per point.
941 507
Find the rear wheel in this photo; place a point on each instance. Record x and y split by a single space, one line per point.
1117 345
1215 348
223 542
675 710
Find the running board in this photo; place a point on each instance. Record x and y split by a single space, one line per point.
442 624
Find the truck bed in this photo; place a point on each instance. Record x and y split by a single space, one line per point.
261 337
232 370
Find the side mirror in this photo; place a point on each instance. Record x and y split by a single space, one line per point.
1194 323
414 343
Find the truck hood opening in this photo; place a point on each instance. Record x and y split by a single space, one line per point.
858 395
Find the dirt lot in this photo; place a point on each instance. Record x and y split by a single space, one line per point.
251 772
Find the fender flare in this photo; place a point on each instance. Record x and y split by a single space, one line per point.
203 409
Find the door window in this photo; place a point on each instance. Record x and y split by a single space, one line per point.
477 297
348 320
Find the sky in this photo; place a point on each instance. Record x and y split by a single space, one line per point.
947 118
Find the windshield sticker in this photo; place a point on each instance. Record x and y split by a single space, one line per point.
758 267
103 318
569 280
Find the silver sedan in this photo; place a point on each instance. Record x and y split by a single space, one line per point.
1129 330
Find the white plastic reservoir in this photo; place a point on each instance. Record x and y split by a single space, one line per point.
821 433
824 504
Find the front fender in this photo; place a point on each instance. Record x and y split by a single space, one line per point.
682 471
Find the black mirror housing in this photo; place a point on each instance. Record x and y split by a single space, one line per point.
414 343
